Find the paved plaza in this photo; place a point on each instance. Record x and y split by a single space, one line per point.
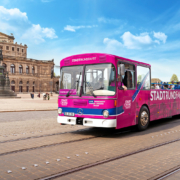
25 103
34 146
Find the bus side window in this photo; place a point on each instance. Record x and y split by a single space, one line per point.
129 78
143 78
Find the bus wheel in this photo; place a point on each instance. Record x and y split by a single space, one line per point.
143 120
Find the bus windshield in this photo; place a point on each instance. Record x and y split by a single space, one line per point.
99 79
71 79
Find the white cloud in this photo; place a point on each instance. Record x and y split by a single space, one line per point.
5 27
37 33
74 28
108 20
69 28
137 42
112 44
156 41
49 33
9 14
161 36
15 21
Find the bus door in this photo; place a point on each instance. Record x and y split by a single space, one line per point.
125 105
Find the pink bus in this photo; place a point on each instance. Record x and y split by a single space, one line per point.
103 90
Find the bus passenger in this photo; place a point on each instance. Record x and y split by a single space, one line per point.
165 86
119 83
172 84
157 86
162 85
178 85
128 79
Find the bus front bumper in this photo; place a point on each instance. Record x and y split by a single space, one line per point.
106 123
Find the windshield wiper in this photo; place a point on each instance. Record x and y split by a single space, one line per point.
73 85
90 89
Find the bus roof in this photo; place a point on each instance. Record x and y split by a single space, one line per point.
102 54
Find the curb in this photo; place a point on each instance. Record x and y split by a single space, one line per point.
26 110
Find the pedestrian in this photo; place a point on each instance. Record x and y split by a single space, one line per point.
44 96
48 97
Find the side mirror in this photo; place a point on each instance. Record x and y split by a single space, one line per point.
122 69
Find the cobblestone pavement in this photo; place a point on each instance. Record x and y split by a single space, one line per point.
140 166
29 115
76 154
175 176
26 103
15 125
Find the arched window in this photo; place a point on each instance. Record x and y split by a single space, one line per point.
33 70
12 68
20 82
4 65
33 83
20 69
27 69
27 82
12 82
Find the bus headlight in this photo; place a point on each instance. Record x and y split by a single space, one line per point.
59 111
106 113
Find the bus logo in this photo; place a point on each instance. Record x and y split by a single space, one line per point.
127 104
64 102
80 111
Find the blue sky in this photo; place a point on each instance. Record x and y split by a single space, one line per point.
143 30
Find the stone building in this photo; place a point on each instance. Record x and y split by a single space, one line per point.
26 74
155 80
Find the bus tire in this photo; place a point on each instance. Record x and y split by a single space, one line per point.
143 119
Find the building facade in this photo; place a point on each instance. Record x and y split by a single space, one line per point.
26 74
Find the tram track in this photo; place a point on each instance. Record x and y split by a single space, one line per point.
53 134
162 176
166 174
46 135
49 145
60 143
85 166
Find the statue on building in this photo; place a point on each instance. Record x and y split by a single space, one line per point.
5 91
